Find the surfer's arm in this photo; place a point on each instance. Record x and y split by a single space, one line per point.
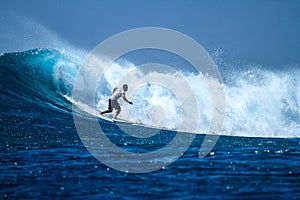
125 99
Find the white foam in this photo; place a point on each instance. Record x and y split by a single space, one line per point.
259 103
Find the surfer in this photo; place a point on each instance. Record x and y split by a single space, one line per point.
113 100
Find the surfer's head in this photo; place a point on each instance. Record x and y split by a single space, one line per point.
125 87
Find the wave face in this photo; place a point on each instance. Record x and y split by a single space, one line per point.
42 76
259 102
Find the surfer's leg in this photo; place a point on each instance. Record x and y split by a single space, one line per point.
117 113
109 110
118 108
105 111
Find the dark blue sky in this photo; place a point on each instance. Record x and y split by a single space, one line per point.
263 32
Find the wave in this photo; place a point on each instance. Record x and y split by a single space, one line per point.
259 102
39 75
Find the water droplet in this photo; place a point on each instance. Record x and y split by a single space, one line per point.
279 152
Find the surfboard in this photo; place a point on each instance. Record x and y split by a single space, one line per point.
124 121
119 120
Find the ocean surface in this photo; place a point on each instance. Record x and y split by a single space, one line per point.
42 156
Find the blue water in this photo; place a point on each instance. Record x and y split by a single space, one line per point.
43 157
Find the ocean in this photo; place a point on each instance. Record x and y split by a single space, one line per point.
43 157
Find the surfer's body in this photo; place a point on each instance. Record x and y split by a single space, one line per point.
113 100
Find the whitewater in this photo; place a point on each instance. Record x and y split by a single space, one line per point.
260 102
